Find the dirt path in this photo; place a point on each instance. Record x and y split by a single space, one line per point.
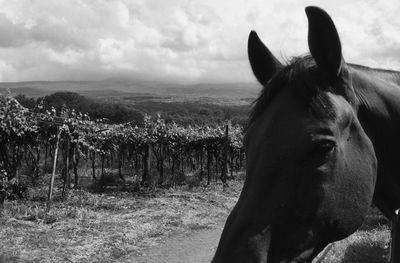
196 247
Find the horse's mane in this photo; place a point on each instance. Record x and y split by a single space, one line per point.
383 73
379 70
299 74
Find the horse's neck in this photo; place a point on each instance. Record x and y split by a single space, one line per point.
384 74
378 95
378 92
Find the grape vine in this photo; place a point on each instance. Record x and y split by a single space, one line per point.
154 152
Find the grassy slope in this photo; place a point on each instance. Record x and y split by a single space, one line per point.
91 227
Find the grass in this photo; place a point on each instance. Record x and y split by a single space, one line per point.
93 227
362 247
370 244
105 227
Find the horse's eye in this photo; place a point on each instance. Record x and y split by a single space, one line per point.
324 147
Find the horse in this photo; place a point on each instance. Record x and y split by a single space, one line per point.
322 145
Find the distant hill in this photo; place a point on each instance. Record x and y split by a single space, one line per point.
221 93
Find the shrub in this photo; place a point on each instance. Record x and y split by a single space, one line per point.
11 189
192 181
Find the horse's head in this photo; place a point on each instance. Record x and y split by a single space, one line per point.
311 168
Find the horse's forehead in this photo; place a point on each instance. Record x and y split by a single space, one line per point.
281 115
342 107
288 114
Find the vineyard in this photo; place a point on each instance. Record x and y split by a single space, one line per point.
72 146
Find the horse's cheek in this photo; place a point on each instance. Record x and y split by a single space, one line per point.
348 188
358 177
363 166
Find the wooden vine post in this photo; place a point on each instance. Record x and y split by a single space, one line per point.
146 178
208 167
201 163
67 180
53 173
94 164
395 243
224 170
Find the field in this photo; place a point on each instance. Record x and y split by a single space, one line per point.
93 227
136 89
107 227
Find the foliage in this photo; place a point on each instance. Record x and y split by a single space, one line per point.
128 109
115 113
26 133
10 189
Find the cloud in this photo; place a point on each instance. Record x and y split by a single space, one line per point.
178 40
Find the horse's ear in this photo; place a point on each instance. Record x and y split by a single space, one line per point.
323 41
263 63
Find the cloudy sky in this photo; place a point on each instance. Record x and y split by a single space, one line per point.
178 40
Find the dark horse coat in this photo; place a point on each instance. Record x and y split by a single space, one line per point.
322 144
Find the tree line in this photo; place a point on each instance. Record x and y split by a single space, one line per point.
133 109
